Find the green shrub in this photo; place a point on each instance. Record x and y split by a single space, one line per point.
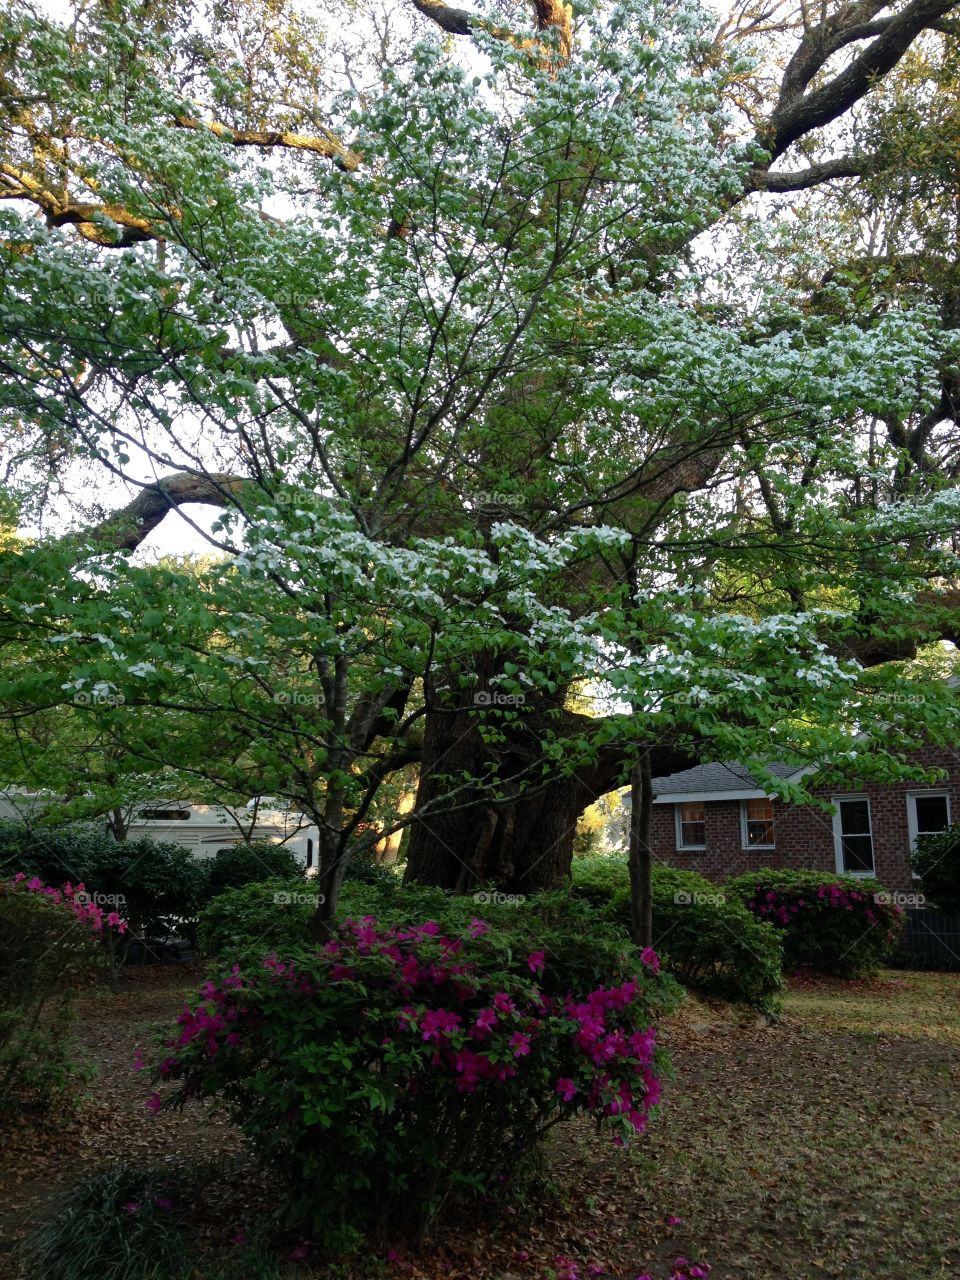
243 864
705 938
48 946
157 887
261 916
936 860
834 924
125 1224
398 1070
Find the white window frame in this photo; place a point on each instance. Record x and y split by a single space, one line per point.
678 824
744 842
912 796
836 801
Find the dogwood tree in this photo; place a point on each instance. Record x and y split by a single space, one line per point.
484 417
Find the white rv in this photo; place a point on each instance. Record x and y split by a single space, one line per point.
205 828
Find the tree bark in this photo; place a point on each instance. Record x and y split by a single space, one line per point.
522 841
641 855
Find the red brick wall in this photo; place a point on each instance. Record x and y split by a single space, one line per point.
804 834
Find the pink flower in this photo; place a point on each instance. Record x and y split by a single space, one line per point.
478 928
439 1022
153 1103
595 1269
133 1207
650 958
674 1221
486 1020
566 1088
239 1237
535 961
521 1255
520 1044
503 1004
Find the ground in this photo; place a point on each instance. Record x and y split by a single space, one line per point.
826 1145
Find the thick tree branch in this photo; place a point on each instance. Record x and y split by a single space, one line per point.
797 115
127 528
325 144
826 171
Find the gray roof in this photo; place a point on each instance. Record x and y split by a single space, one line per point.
707 778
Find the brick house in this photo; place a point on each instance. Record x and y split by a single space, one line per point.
716 820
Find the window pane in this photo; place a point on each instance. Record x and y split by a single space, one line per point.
761 809
693 829
759 833
759 822
931 814
857 853
855 817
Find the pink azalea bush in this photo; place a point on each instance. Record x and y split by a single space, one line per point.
396 1069
831 923
48 945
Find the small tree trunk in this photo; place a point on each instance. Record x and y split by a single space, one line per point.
641 857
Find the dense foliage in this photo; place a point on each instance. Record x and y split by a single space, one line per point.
396 1070
836 924
155 886
705 937
469 395
242 864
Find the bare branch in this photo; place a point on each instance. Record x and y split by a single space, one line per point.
827 171
325 144
127 528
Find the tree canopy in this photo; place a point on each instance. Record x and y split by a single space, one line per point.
518 351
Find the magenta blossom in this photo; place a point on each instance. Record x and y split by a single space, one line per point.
520 1044
535 961
566 1088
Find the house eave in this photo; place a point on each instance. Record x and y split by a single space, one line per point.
687 797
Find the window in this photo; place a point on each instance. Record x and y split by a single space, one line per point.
165 815
309 852
691 825
757 823
853 837
927 814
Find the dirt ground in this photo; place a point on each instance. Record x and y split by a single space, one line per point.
826 1145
